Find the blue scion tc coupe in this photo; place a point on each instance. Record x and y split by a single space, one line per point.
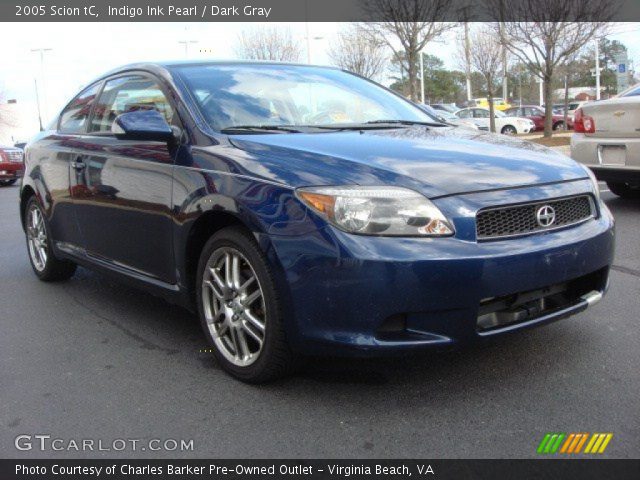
304 210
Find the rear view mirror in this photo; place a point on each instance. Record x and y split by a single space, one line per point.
142 125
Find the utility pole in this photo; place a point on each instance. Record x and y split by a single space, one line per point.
597 69
42 51
35 81
467 57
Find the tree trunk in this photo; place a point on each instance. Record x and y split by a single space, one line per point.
492 112
413 75
547 95
566 103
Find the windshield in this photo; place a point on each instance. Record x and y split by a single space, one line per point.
287 95
499 114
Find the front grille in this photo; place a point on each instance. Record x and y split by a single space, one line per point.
494 223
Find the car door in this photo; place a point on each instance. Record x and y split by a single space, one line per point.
125 186
536 116
56 150
481 118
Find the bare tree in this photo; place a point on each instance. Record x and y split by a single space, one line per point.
413 23
268 43
550 31
358 52
486 58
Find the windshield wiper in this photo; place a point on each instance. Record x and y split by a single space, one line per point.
405 122
260 128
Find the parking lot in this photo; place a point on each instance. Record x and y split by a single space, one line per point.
90 358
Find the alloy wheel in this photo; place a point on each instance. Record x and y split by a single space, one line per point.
37 238
234 308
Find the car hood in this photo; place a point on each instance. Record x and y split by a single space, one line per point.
436 161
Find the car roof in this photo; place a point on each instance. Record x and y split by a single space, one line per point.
163 69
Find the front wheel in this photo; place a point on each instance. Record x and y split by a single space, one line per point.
46 266
509 130
239 308
624 190
558 126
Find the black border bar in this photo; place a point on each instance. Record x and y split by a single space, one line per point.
317 10
366 469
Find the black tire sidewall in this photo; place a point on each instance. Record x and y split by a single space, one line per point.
46 272
509 130
54 268
240 240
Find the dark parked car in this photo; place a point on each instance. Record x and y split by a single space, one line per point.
536 114
11 165
304 210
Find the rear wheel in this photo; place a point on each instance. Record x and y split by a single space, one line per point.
240 310
558 125
509 130
6 183
43 261
624 190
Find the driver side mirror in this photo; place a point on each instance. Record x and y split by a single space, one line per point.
147 125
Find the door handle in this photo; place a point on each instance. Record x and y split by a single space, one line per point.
78 164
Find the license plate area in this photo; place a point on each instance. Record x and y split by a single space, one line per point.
612 154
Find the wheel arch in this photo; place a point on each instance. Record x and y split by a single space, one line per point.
26 193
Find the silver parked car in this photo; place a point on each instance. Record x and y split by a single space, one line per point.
607 140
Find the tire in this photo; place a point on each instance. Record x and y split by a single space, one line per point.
509 130
6 183
558 125
624 190
45 264
251 353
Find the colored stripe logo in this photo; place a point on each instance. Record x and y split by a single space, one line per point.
572 443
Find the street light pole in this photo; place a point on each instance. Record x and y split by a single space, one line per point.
35 81
42 51
597 69
422 76
186 46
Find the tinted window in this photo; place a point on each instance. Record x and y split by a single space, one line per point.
463 114
235 95
632 93
74 117
479 113
128 94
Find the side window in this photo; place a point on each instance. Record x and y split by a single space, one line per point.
632 93
479 113
463 114
128 94
73 118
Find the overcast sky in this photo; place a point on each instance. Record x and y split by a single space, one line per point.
82 51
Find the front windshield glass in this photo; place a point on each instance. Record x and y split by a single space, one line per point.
231 95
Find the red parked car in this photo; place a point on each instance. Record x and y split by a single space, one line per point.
536 115
11 165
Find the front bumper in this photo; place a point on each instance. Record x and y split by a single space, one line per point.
373 295
11 170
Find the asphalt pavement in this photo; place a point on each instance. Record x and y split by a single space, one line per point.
93 359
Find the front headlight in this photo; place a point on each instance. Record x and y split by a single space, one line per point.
392 211
594 181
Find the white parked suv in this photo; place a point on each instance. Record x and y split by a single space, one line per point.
607 140
504 123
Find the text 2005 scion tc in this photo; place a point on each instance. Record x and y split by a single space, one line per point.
305 210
